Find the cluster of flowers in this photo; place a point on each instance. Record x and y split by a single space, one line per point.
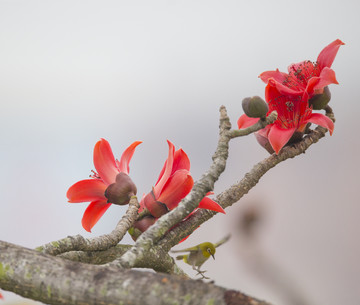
111 184
294 95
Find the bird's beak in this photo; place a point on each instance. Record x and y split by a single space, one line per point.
213 256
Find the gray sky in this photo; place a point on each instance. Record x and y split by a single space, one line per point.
72 72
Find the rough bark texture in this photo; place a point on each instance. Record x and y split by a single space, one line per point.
54 280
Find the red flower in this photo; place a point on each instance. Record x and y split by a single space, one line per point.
173 184
107 178
289 95
306 78
293 115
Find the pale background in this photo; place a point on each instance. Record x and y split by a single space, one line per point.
72 72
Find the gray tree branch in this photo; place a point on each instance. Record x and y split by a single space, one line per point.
238 190
56 280
53 280
79 243
206 184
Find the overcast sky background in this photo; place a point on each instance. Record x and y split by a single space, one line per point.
72 72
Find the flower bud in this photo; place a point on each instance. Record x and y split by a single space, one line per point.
121 191
156 208
319 101
141 226
264 142
255 107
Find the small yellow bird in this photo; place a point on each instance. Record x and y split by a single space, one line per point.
200 254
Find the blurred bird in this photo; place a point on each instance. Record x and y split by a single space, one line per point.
199 254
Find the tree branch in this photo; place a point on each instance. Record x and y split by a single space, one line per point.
206 184
238 190
103 242
156 259
53 280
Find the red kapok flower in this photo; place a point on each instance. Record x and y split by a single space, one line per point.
110 184
307 78
173 184
293 115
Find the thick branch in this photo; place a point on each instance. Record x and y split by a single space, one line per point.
156 259
53 280
79 243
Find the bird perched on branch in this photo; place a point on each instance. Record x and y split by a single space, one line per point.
199 254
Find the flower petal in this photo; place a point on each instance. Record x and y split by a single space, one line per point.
317 84
181 161
176 188
327 55
276 75
209 204
86 190
93 213
166 171
244 121
322 120
327 77
126 157
278 137
104 161
281 89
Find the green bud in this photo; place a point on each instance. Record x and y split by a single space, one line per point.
255 107
319 101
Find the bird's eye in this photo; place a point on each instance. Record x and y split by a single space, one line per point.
209 250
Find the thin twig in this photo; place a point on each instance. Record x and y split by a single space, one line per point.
238 190
103 242
271 118
150 237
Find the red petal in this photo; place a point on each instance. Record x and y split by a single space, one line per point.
276 75
317 84
282 90
278 137
166 171
244 121
126 157
104 161
176 188
181 161
327 77
322 120
86 190
327 55
209 204
93 213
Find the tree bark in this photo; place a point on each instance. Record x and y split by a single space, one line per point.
54 280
